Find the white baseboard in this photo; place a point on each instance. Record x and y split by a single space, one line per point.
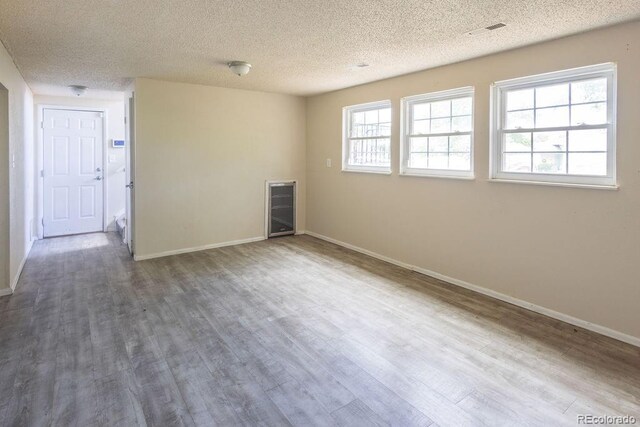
197 248
5 292
602 330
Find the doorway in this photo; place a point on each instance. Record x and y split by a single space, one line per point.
73 171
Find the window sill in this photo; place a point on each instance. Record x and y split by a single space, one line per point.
376 172
438 176
556 184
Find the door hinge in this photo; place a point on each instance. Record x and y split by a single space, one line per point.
42 173
42 221
42 125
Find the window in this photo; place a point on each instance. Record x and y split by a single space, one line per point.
557 127
437 138
367 138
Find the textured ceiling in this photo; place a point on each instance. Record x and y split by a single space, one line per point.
296 46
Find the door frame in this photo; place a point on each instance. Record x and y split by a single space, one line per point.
39 226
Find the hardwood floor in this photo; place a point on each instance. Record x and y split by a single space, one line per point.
287 331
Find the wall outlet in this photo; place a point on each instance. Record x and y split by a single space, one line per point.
328 163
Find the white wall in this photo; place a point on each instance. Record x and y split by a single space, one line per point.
203 155
575 251
115 156
21 171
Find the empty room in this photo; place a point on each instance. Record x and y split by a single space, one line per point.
341 213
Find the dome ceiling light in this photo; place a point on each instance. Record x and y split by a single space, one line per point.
240 68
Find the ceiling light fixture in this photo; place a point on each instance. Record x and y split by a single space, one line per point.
78 90
240 68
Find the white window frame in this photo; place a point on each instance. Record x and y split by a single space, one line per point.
498 114
346 126
407 118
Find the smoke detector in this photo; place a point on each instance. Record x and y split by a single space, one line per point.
78 90
486 29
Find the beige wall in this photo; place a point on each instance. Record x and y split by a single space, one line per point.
203 155
115 156
575 251
20 164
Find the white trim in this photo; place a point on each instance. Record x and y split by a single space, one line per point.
346 125
5 291
198 248
497 118
433 175
555 184
602 330
40 163
406 135
375 172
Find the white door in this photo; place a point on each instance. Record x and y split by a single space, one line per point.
130 153
73 172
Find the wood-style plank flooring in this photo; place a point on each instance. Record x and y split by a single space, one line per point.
290 331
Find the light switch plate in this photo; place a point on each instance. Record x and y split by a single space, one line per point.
328 163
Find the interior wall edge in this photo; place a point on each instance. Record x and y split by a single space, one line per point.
602 330
16 278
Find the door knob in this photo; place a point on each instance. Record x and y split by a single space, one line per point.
98 178
98 170
129 185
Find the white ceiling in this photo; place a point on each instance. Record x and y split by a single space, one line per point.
296 46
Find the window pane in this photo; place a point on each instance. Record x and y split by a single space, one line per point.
418 160
441 109
589 114
418 145
385 115
439 144
421 126
519 99
421 111
460 161
520 119
588 140
550 163
371 152
589 91
552 117
371 117
588 163
438 161
460 143
461 124
440 125
517 142
357 118
548 96
519 162
461 106
550 141
383 152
